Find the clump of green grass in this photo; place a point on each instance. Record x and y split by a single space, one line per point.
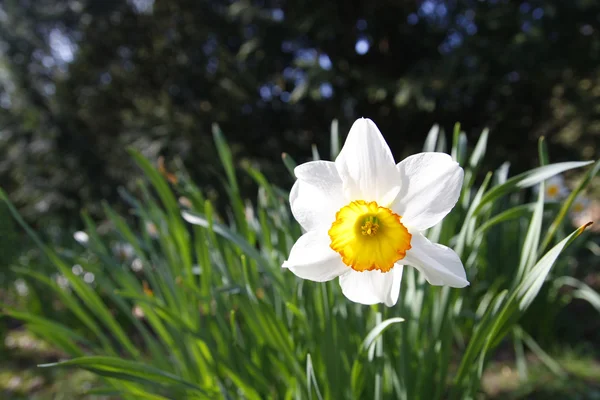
199 306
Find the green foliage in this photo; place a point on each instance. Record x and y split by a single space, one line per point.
201 308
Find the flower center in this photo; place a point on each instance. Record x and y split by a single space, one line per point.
369 237
552 190
370 226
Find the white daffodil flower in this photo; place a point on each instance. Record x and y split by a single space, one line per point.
555 189
364 215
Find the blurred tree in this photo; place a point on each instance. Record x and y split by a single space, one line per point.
81 80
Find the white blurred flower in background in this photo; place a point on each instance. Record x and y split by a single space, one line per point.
123 251
555 189
81 237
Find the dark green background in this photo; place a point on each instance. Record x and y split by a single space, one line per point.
156 74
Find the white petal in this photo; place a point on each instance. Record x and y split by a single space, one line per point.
431 185
366 165
440 264
311 258
317 194
372 287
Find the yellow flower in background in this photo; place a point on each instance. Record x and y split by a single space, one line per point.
364 215
146 288
555 189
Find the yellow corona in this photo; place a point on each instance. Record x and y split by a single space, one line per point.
369 237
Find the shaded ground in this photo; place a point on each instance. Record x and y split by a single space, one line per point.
21 379
581 380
